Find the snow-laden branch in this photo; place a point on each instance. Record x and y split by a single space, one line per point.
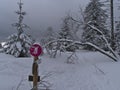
82 44
104 38
102 51
114 57
80 23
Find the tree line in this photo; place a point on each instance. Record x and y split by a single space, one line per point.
89 31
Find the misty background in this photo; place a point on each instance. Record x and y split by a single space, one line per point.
40 15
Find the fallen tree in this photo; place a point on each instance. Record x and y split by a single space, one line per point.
112 55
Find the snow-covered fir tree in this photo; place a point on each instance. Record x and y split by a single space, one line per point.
96 16
69 28
18 44
65 30
68 32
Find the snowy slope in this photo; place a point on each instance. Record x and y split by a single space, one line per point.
92 71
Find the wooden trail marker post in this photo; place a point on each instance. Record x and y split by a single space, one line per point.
35 51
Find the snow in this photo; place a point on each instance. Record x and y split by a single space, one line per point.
91 71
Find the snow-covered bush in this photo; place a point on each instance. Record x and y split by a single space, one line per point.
18 46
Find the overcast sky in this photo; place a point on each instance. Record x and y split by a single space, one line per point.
40 14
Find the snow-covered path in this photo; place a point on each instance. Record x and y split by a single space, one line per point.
92 71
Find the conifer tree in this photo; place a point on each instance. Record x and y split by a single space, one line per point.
68 32
18 44
96 16
65 30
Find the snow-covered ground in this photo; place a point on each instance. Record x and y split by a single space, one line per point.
92 71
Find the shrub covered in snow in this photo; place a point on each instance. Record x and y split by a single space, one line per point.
18 46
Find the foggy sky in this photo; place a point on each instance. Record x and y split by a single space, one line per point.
40 14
